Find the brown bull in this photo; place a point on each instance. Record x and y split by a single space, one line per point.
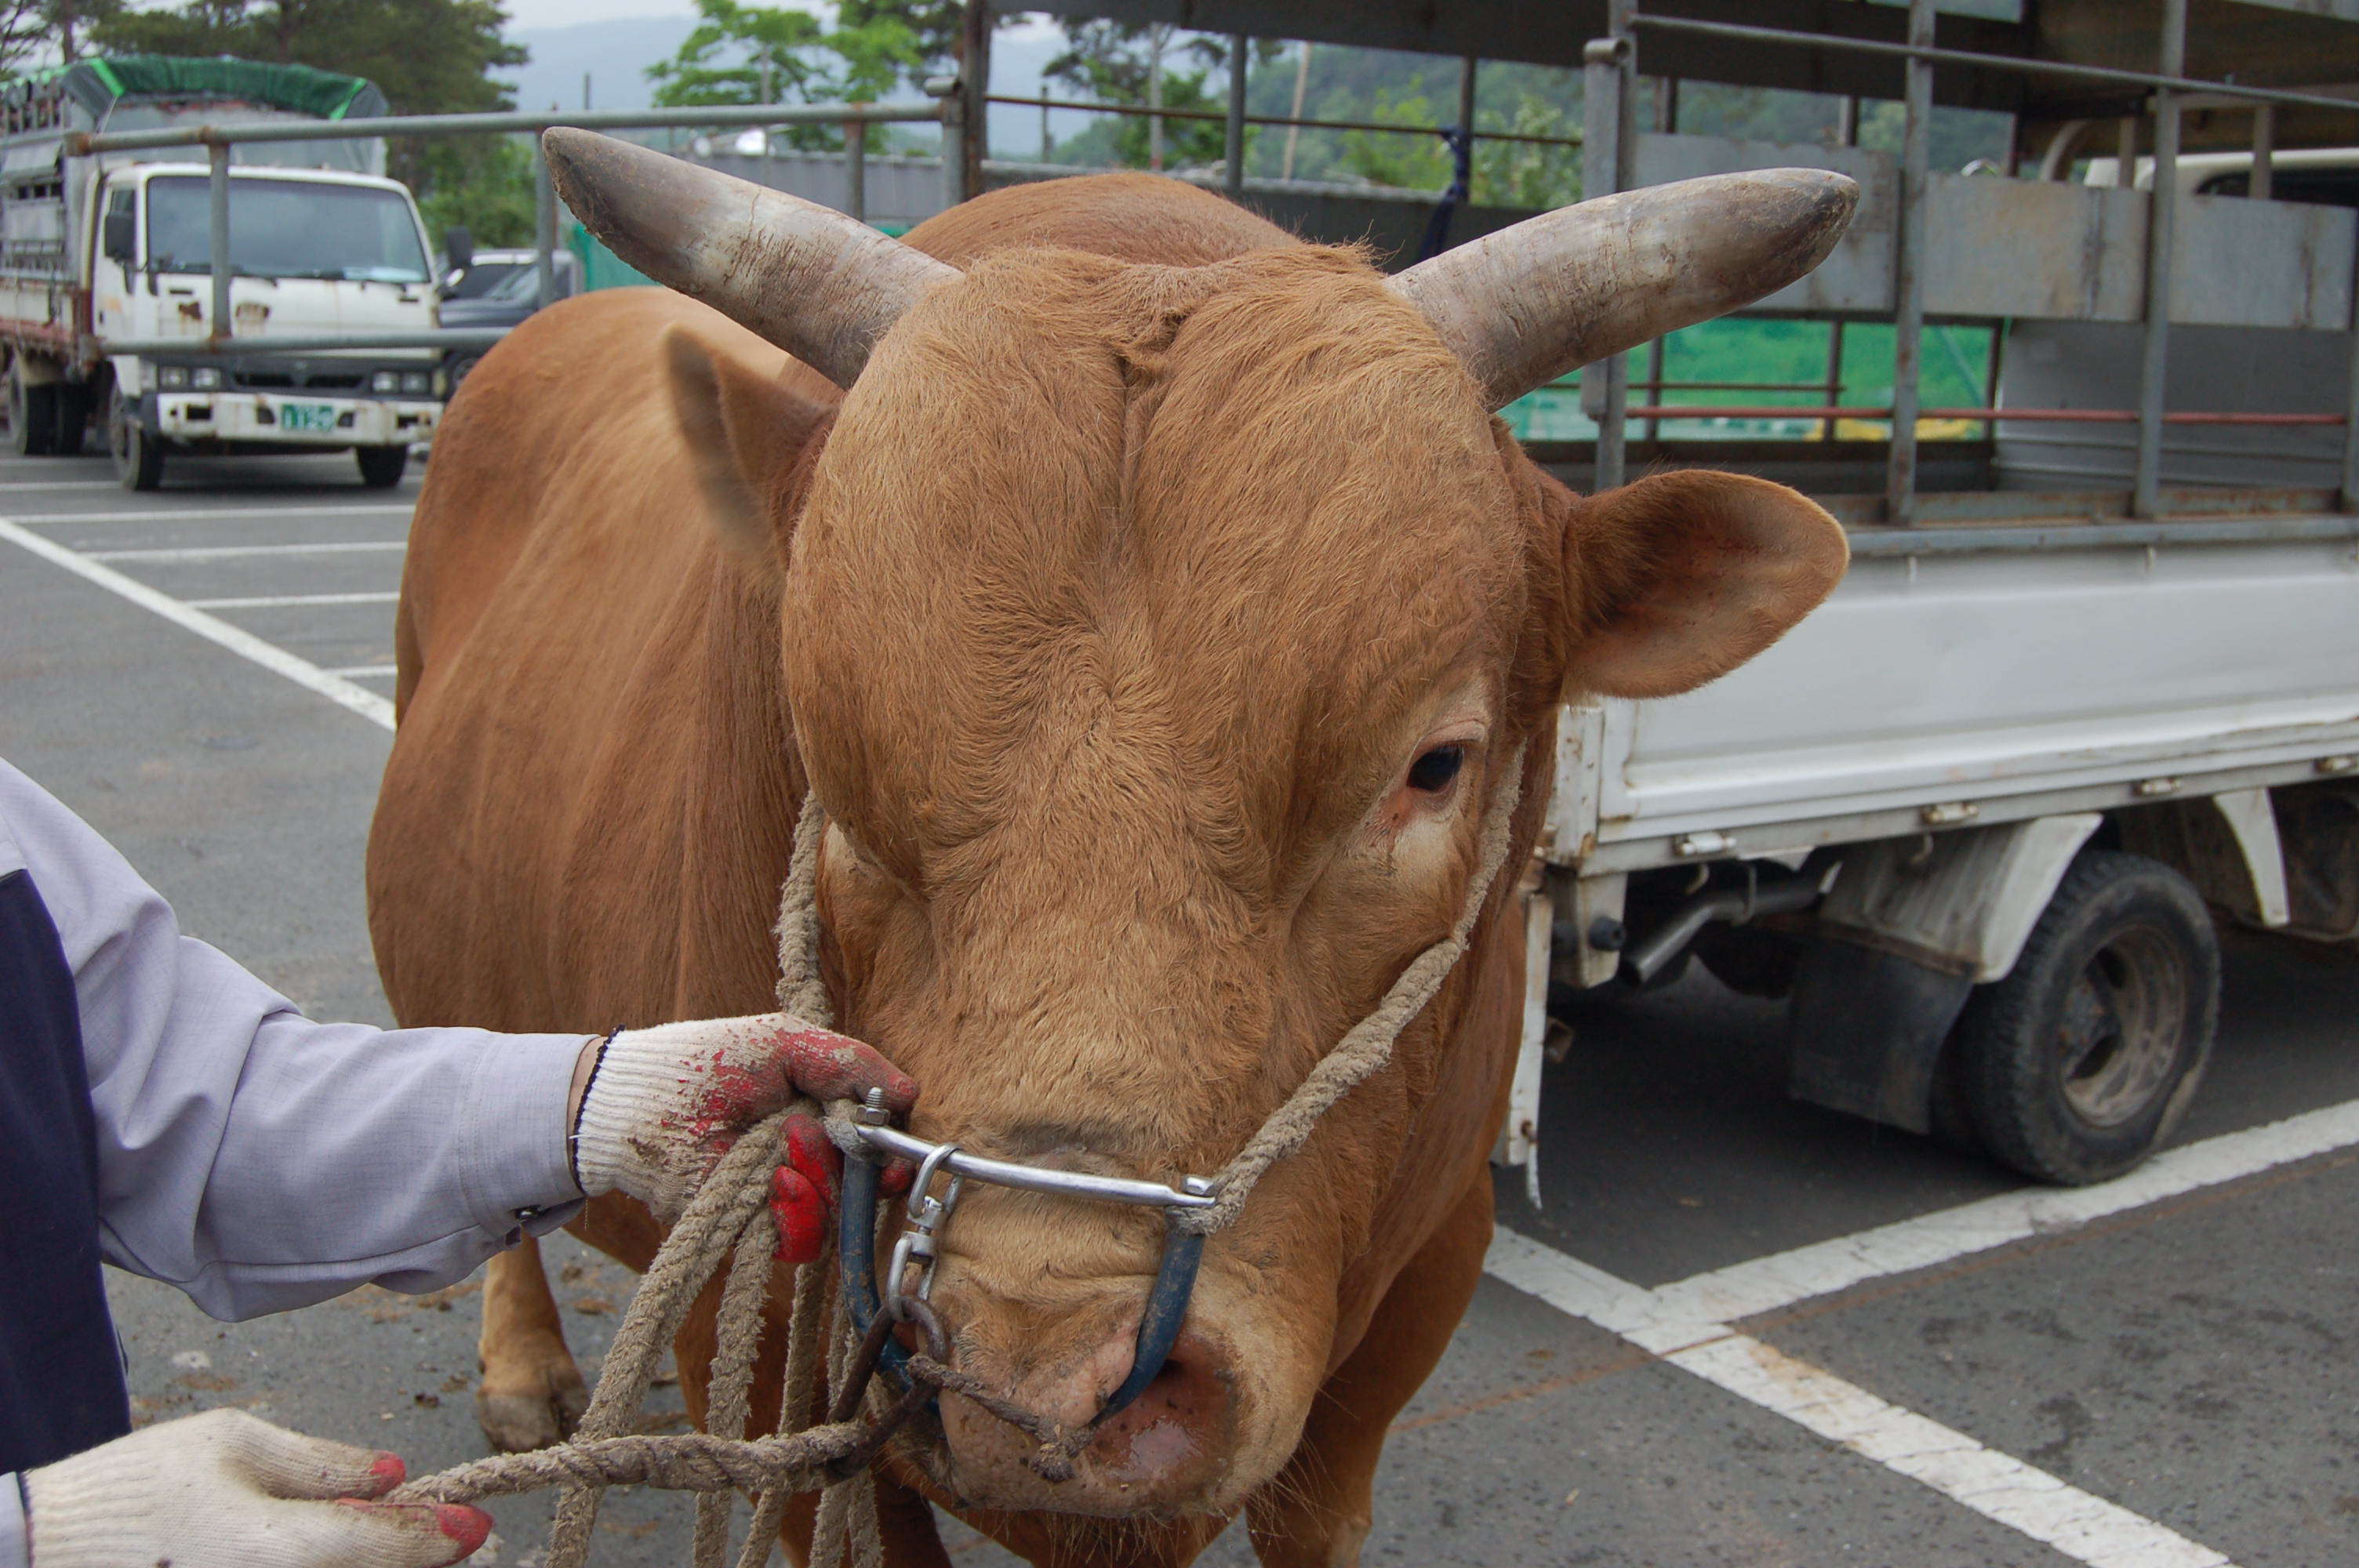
1155 616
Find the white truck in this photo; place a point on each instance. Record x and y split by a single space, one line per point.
2090 690
115 248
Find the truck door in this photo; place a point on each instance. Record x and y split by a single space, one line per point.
115 278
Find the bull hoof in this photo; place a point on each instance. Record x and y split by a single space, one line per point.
513 1422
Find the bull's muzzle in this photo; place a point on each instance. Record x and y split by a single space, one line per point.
1166 1302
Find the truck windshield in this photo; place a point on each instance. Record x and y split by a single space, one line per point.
287 227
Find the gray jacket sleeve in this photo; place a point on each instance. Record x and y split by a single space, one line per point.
259 1161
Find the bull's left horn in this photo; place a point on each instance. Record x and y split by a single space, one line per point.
1525 305
818 285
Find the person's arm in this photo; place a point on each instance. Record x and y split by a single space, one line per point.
14 1551
259 1161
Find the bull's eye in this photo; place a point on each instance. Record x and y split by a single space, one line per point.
1436 770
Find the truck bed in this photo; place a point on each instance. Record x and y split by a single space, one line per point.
1989 672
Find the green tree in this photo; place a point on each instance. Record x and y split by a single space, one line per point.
482 183
1118 62
762 54
32 31
932 24
429 57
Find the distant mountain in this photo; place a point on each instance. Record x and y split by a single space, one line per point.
614 56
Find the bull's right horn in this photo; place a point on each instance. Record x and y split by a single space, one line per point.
1524 305
818 285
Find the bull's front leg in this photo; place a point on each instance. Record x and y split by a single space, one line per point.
1317 1511
532 1394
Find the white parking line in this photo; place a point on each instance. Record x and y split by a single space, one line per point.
245 644
1686 1324
59 484
201 515
356 671
1764 1284
283 600
228 552
2083 1527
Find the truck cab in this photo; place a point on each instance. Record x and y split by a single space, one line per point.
313 252
110 261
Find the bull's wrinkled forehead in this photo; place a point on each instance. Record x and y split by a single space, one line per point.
1232 521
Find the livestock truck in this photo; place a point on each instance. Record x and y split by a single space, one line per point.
103 249
2090 690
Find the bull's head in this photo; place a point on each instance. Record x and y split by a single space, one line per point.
1156 637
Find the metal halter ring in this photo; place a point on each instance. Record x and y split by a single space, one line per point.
1166 1301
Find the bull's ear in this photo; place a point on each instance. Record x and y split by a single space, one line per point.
743 428
1681 578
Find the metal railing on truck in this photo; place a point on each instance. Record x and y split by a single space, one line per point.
1610 76
218 139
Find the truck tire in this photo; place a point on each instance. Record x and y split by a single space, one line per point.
73 419
2079 1062
138 455
32 413
381 467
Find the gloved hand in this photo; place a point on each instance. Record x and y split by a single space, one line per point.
665 1104
225 1491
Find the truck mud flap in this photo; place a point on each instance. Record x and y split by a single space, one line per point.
1866 1026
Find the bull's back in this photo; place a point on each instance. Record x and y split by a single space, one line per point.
561 590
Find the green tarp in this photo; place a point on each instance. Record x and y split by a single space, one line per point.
98 85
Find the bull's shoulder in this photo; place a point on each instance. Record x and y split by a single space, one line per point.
1128 217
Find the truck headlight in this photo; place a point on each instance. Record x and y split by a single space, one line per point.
205 378
385 381
418 381
171 375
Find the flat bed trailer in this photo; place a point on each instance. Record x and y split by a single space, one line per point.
2090 685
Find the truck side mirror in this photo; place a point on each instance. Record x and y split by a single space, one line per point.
118 237
458 248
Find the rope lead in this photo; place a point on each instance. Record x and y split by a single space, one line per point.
729 1219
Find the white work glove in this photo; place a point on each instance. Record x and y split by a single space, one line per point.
665 1104
225 1491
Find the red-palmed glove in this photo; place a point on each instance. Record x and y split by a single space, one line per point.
226 1491
666 1104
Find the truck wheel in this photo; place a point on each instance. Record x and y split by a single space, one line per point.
32 413
138 455
73 418
2078 1063
381 466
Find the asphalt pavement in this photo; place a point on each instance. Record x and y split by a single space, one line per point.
1737 1329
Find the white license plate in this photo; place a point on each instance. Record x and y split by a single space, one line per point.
307 416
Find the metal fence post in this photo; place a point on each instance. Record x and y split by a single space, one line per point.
2162 207
217 190
953 146
974 106
1907 281
855 168
544 228
1607 66
1233 169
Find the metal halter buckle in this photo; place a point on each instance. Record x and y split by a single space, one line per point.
918 1245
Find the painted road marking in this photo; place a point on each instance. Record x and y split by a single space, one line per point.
1686 1323
231 551
284 600
355 672
2080 1525
1764 1284
60 484
247 513
245 644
